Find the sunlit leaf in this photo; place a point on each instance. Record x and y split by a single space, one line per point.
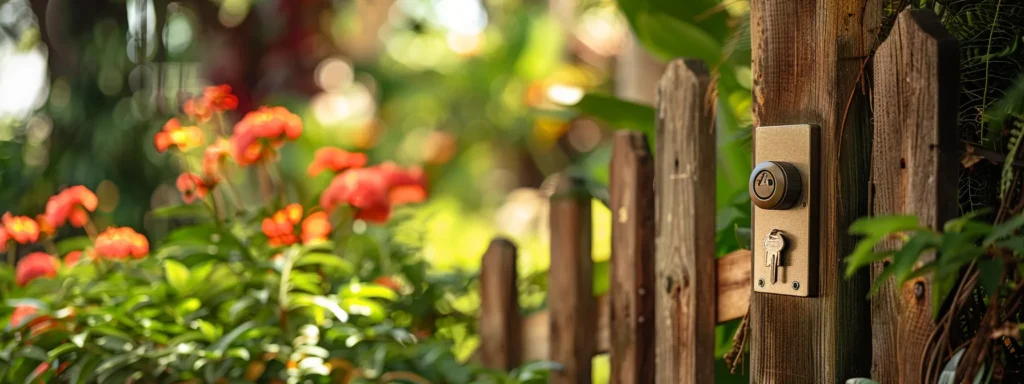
617 113
177 275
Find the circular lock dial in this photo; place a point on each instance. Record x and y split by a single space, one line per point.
775 185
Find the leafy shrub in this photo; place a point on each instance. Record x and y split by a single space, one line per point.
246 291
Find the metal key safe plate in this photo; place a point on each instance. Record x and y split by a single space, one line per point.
795 268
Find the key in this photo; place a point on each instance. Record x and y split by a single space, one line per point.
773 245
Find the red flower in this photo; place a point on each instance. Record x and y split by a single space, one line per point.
406 185
72 258
185 138
389 282
25 315
119 243
260 132
22 313
191 187
373 191
219 98
280 227
335 160
212 158
72 204
365 189
4 238
33 266
22 229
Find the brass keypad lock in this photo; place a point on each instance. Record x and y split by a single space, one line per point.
783 188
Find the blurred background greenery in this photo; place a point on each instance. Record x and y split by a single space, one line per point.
484 93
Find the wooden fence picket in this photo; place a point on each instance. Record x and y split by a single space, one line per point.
632 262
573 316
685 249
913 171
500 332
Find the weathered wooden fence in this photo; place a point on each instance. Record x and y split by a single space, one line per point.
668 289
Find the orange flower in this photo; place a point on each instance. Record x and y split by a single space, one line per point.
219 98
44 224
119 243
280 227
212 158
33 266
72 204
373 191
72 258
191 187
260 132
335 160
185 138
22 229
316 228
198 109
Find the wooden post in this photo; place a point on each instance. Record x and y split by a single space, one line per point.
573 319
914 171
500 330
808 62
632 262
685 250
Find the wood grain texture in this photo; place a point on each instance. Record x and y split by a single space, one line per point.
573 320
500 333
733 285
807 61
914 171
632 260
685 245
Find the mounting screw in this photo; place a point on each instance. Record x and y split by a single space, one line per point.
919 290
796 285
760 283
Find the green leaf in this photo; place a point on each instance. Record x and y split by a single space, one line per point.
883 225
672 38
941 287
222 345
957 224
907 256
617 113
60 350
864 254
180 211
1004 229
177 275
76 243
328 260
83 369
990 274
368 290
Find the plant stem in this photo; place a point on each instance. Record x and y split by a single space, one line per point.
12 254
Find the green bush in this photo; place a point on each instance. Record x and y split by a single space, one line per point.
244 291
